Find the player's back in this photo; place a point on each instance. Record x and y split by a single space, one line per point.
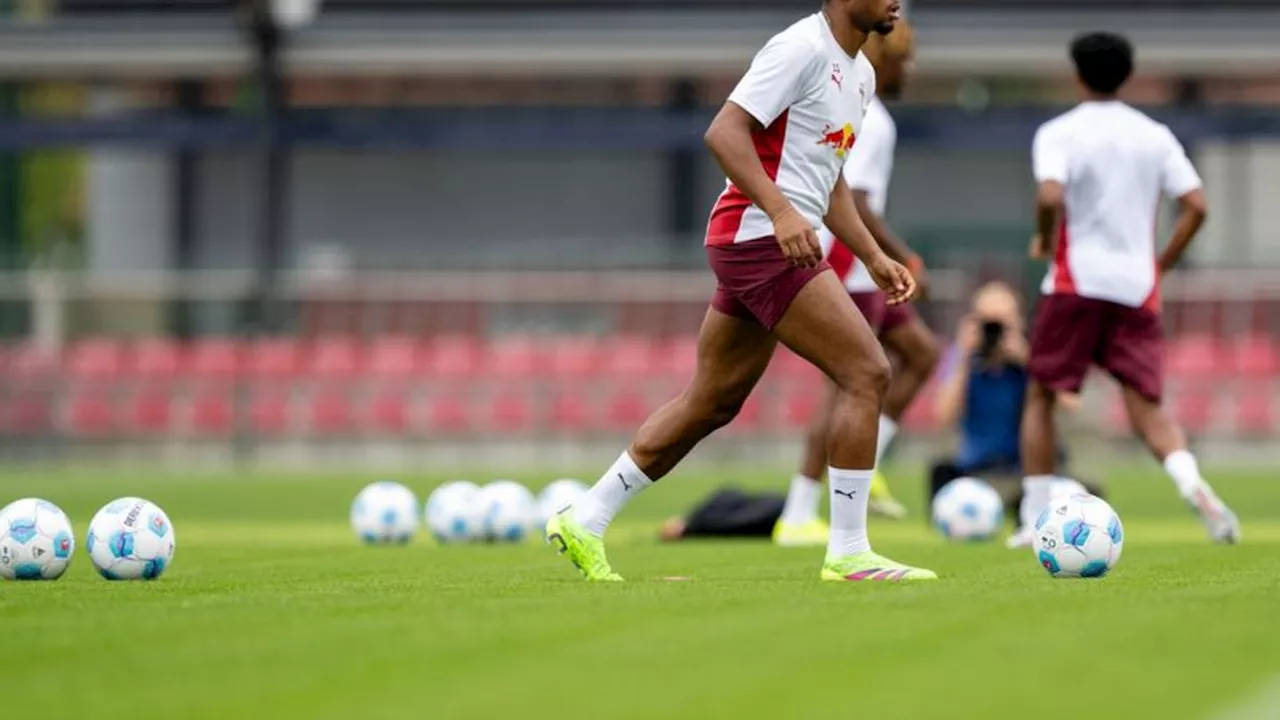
1114 163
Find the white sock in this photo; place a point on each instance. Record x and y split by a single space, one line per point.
802 501
1185 471
1037 491
888 430
849 492
621 482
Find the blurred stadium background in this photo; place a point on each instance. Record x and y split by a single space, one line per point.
404 231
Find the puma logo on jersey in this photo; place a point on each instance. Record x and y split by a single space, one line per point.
837 76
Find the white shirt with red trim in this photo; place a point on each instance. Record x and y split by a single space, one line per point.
869 168
1116 165
810 98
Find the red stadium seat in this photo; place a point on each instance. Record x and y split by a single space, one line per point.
90 414
333 358
629 356
626 409
448 414
570 411
387 413
275 359
513 357
680 357
511 410
1255 411
269 412
454 356
149 412
800 404
574 357
28 364
1193 356
1255 356
393 359
26 415
1193 409
156 359
329 412
100 359
211 414
749 416
217 361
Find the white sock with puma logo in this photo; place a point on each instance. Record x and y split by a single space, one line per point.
850 490
621 482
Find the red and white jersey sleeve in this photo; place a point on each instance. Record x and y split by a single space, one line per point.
869 169
809 98
1116 166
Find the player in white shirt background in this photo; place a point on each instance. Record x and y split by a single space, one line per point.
867 172
782 139
1103 170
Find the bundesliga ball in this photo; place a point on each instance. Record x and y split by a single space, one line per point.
130 539
455 513
510 511
1078 536
385 512
558 496
967 509
36 541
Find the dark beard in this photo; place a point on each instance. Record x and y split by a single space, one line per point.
883 28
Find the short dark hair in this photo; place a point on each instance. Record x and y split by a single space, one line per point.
1104 61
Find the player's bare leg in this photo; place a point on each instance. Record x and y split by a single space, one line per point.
1168 444
1039 453
732 355
822 326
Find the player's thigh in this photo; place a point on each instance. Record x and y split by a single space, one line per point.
1133 352
822 326
733 353
1065 337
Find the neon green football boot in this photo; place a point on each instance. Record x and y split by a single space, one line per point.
881 501
584 550
870 566
811 534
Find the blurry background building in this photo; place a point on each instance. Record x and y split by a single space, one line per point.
408 221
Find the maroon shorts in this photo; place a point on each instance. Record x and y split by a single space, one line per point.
895 316
1072 333
873 307
754 281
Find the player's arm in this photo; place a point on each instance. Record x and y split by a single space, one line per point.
845 222
1179 179
729 139
1049 165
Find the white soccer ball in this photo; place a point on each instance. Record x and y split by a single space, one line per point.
1078 536
385 512
1066 486
557 496
455 512
36 540
510 511
968 509
130 539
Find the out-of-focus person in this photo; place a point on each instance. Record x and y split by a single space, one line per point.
1102 170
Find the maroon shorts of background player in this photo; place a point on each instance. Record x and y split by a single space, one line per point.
895 316
873 307
1072 333
754 281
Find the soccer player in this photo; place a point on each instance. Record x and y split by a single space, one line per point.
1102 168
782 139
867 172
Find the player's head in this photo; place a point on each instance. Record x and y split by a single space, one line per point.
1104 61
892 57
869 16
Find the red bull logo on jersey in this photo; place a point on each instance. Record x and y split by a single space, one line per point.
840 139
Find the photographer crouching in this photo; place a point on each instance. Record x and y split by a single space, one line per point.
983 387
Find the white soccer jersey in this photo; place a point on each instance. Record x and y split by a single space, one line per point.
1114 163
869 168
810 97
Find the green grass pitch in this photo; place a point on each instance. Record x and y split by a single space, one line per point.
273 610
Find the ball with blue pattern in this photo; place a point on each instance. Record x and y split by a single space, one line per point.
1078 536
510 511
131 539
385 513
967 509
455 513
36 540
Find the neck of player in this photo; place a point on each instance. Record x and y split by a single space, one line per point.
847 35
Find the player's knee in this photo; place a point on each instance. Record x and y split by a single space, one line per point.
715 410
868 375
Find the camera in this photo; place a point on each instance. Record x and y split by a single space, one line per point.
992 333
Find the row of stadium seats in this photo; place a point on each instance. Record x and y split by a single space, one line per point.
780 406
510 357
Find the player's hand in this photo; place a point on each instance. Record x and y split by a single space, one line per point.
968 335
1039 248
797 238
894 279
